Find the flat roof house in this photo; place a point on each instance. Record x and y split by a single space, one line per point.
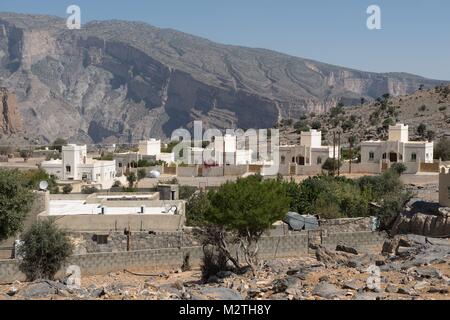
397 148
76 166
309 152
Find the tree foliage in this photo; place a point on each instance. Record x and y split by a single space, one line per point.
44 250
243 209
442 149
15 202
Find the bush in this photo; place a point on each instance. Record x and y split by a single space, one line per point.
442 149
45 248
89 190
331 164
399 168
67 189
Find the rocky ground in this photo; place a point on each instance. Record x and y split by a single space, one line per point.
410 268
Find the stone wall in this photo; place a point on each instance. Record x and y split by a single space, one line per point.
91 242
166 258
347 225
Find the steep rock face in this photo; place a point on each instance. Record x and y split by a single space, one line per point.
123 81
10 120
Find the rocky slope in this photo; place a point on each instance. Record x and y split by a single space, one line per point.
10 120
122 81
430 107
411 268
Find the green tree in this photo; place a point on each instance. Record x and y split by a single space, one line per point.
245 209
15 202
44 250
131 178
422 129
399 168
442 149
58 144
141 174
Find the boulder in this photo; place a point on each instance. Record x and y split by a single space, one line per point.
327 290
212 293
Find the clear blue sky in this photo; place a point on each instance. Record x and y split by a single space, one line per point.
415 36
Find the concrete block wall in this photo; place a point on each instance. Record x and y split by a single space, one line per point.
353 239
171 258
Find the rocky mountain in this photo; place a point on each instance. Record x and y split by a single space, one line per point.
10 120
426 112
123 81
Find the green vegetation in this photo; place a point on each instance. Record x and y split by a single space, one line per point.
89 190
15 202
331 165
67 189
239 212
58 144
44 250
442 149
35 176
131 178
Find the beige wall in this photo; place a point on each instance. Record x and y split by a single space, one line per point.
444 184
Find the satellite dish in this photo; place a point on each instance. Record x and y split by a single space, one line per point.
154 174
43 185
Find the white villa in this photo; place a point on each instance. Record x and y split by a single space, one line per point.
398 148
152 147
310 151
76 166
224 149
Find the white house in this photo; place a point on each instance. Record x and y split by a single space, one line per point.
75 165
397 148
309 152
152 147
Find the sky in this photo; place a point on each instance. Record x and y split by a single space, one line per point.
414 35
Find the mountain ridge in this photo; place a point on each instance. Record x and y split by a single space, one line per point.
121 81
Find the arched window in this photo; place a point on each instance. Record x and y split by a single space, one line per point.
384 155
319 160
371 155
413 156
283 159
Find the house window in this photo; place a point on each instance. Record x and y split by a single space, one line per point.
371 155
68 169
283 159
319 160
413 157
385 156
120 164
293 159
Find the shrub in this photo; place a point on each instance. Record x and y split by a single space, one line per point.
331 165
45 248
67 189
89 190
399 168
442 149
15 202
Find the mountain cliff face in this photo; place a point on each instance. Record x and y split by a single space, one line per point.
123 81
10 120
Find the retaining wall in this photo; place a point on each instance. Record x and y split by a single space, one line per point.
166 258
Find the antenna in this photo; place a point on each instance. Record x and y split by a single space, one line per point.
43 185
